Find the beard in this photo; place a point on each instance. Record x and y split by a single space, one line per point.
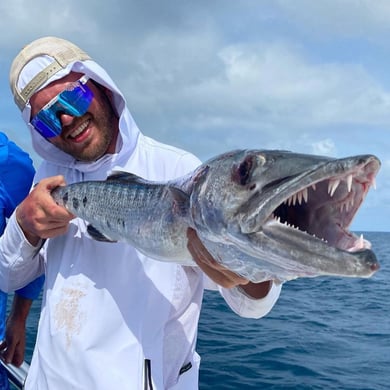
104 124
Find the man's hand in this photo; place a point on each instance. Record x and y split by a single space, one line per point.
209 266
221 275
39 216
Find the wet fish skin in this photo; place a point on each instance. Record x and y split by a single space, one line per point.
246 190
149 216
231 200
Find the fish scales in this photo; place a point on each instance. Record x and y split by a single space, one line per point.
137 212
264 214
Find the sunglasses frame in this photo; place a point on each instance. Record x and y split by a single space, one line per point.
74 100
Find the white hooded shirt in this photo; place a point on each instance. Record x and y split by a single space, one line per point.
111 317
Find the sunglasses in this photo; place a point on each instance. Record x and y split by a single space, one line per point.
74 101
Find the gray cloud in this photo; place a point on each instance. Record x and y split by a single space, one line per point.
211 76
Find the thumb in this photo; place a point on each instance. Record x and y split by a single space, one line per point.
50 183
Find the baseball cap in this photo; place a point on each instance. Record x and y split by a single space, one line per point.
51 55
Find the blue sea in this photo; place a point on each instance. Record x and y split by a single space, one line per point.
323 333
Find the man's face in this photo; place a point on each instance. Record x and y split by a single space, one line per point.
89 136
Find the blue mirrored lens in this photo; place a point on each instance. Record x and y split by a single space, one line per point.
73 102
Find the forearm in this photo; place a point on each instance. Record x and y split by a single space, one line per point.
20 308
15 339
257 290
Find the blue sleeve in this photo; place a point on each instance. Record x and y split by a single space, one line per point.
2 208
3 313
33 289
16 175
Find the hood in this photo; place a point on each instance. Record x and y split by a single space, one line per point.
128 130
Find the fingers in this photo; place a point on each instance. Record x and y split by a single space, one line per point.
14 353
39 216
18 356
8 354
215 271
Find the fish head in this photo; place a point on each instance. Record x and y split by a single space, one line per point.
236 184
222 185
306 200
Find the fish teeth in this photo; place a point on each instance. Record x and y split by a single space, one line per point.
305 194
332 186
349 183
347 206
292 200
295 196
301 196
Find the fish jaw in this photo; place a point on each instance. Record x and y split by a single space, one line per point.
321 202
259 257
297 206
302 255
337 187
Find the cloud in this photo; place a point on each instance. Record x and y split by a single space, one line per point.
258 89
306 76
324 147
341 18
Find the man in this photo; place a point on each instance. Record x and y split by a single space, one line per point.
111 317
16 175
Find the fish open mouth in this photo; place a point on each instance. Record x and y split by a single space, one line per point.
324 208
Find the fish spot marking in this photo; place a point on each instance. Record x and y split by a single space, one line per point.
65 198
75 203
121 222
85 201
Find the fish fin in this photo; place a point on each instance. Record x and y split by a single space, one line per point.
97 235
181 200
123 176
200 174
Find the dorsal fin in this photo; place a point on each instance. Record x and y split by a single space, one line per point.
181 200
124 176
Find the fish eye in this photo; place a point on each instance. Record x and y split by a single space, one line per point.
243 171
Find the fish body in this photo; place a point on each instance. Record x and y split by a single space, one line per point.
263 214
151 217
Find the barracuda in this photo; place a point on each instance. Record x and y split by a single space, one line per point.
263 214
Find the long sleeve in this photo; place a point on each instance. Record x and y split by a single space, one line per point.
248 307
33 289
20 262
244 305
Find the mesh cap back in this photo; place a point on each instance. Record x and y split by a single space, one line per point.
60 50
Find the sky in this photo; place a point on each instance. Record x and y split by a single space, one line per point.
212 76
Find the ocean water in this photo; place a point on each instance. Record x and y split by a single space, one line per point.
323 333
